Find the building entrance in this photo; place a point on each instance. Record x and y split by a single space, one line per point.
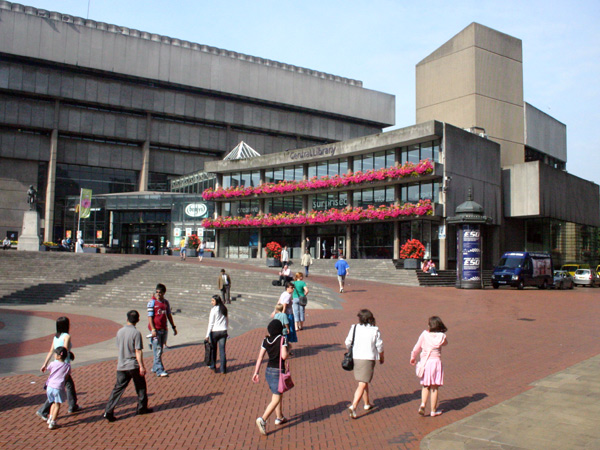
331 246
144 239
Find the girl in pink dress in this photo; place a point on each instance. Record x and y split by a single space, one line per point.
430 345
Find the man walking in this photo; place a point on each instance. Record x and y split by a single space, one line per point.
224 284
159 310
342 268
130 366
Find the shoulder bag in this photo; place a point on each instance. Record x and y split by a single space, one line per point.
302 300
285 378
348 361
420 369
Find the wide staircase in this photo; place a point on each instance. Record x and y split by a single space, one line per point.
128 282
448 278
378 270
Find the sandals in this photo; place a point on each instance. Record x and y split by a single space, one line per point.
352 412
436 413
422 410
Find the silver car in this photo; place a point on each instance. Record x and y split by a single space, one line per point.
585 277
563 280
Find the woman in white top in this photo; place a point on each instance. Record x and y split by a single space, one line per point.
217 332
368 347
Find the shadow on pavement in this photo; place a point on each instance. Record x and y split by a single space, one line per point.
321 325
395 400
319 414
459 403
315 349
12 401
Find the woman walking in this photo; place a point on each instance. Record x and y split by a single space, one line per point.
430 345
275 345
200 250
367 347
218 323
62 338
306 260
300 290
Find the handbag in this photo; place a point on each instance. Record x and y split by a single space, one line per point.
207 352
348 361
285 378
302 300
420 369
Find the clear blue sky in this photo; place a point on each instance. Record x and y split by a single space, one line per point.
380 41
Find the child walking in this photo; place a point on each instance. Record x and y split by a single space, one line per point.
430 345
55 385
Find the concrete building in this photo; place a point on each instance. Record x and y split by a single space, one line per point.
86 104
474 82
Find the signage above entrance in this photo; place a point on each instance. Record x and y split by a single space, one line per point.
196 210
312 152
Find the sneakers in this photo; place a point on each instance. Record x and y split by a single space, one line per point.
352 412
280 421
41 416
163 374
51 425
341 291
436 413
110 417
262 426
368 407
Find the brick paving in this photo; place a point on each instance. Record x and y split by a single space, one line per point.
500 342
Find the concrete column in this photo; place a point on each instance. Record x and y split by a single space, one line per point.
348 251
51 183
303 240
443 250
260 255
396 254
145 169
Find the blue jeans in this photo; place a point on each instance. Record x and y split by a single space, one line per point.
157 345
219 338
298 310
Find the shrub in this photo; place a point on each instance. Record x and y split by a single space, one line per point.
412 249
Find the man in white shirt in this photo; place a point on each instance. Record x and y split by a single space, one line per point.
285 256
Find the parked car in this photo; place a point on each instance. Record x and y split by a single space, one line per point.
573 267
585 277
520 269
598 270
562 280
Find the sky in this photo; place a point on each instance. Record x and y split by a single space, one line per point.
380 41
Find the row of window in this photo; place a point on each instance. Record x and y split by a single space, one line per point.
371 161
325 201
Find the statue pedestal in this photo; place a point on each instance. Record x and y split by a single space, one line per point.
29 240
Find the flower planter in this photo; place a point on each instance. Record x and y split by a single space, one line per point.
272 262
412 263
191 253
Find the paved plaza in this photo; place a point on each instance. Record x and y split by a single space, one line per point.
520 373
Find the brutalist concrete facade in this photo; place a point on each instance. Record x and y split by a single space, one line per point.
76 92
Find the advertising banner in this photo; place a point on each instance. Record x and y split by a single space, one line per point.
471 253
85 203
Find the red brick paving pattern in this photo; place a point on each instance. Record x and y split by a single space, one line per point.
85 330
500 341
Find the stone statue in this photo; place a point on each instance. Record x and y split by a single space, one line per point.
31 198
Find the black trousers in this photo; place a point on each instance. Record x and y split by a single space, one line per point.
123 379
218 339
71 397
